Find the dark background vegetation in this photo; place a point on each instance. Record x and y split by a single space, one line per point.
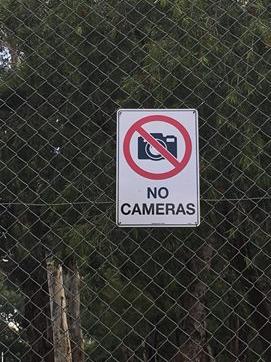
148 294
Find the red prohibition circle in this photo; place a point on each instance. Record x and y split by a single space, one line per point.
179 166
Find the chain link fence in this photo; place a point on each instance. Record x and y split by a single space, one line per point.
73 286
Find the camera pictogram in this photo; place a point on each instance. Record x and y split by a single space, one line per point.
148 152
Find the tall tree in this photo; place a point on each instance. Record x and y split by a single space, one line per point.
79 61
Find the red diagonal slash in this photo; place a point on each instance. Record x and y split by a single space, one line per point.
162 150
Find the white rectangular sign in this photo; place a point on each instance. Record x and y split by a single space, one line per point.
157 168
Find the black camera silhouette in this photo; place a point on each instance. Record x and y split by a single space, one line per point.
148 152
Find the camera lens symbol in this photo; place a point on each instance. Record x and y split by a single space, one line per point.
152 153
148 152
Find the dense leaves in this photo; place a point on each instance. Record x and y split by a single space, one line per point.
72 65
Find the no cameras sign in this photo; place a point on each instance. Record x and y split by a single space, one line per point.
157 168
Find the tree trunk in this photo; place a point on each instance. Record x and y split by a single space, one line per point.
152 347
62 345
72 290
150 353
240 255
195 347
32 278
260 310
261 318
238 344
37 317
127 354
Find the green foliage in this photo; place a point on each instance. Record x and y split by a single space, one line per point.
79 62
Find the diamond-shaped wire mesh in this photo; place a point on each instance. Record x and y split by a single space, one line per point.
73 286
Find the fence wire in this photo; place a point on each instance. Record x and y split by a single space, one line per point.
73 286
